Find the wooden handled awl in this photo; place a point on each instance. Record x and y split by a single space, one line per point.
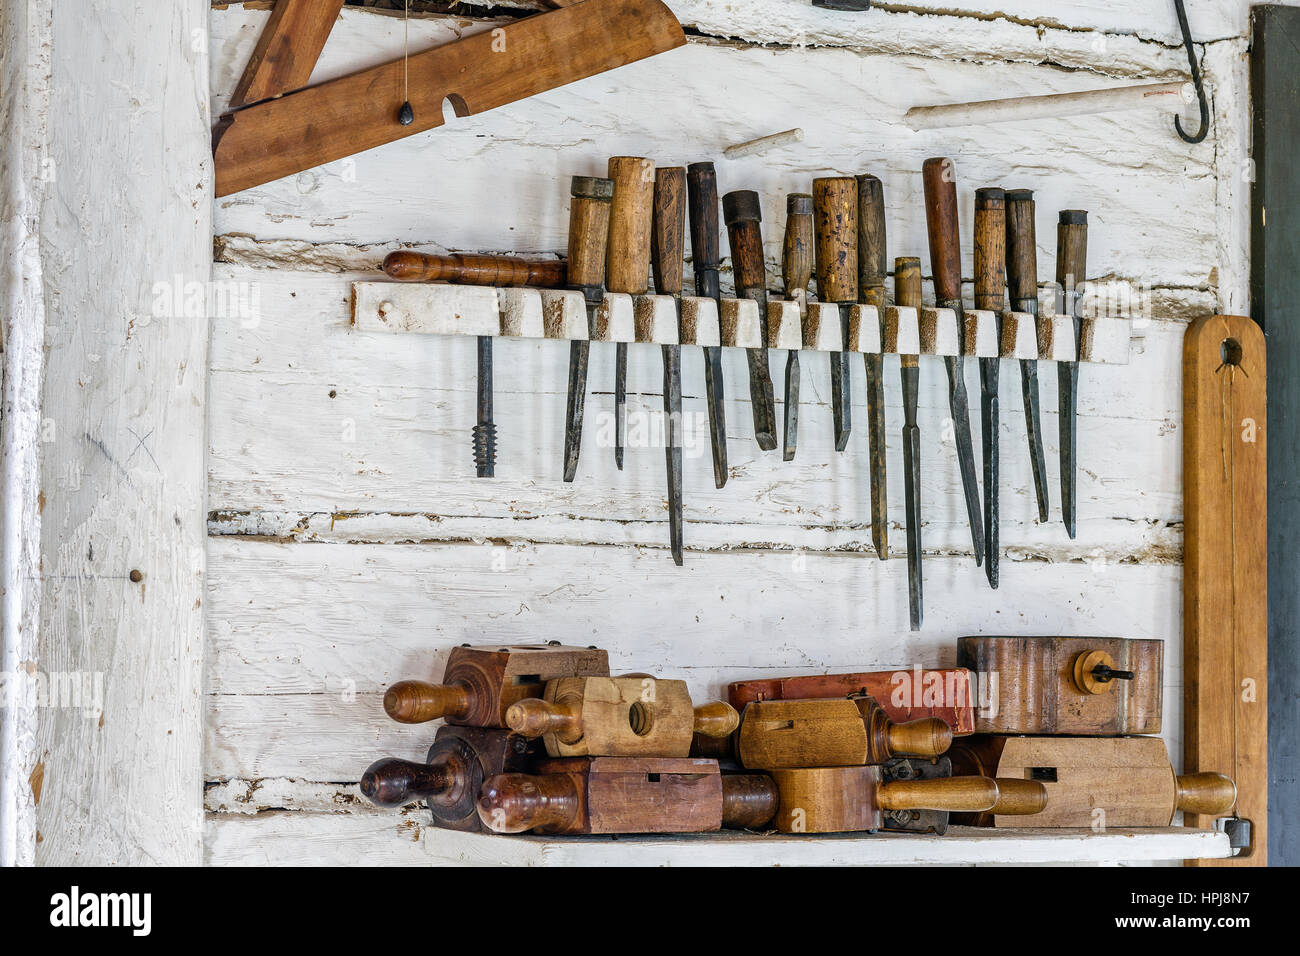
480 684
460 759
1071 270
408 266
945 264
667 250
744 218
619 717
835 213
832 733
873 267
990 296
907 292
588 233
1022 280
627 265
796 273
706 258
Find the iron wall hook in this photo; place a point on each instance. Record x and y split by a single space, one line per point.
1197 80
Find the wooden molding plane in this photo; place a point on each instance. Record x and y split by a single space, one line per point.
277 127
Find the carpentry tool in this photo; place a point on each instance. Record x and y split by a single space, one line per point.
873 266
485 429
621 795
588 232
906 693
945 264
479 684
1096 782
990 296
1018 797
850 5
1022 278
832 733
449 780
835 209
907 293
1071 270
1225 569
741 212
627 266
618 717
796 273
667 250
702 189
279 128
1084 686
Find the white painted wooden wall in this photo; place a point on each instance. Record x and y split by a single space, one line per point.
350 545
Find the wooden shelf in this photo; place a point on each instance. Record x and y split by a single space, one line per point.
960 845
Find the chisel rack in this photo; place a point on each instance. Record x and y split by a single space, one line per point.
438 309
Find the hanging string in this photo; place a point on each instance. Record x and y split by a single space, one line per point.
406 115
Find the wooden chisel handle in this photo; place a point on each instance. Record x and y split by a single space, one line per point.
627 256
589 212
907 292
990 250
475 270
394 783
797 249
668 235
953 794
706 252
418 702
941 222
744 228
516 802
1022 251
1071 255
873 261
835 213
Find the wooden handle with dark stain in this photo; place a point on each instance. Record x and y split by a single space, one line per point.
990 249
1071 249
835 219
668 232
410 266
1018 797
589 211
940 181
797 249
953 794
873 260
534 717
744 220
518 802
749 800
702 189
716 719
1022 248
417 701
391 782
907 281
627 256
1209 794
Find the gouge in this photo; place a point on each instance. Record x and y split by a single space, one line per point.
945 264
907 292
744 220
1071 270
835 213
1022 278
796 273
667 248
990 295
702 189
873 266
627 266
588 233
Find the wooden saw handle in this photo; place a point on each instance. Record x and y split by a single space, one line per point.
391 782
417 701
589 209
940 180
1209 794
873 261
953 794
627 256
835 216
716 719
1022 248
517 802
668 233
991 249
410 266
534 717
797 249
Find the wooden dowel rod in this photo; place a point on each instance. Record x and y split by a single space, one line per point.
1166 96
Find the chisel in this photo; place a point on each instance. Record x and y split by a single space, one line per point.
627 267
835 212
588 233
945 264
1022 281
702 190
796 273
1071 270
740 210
667 250
907 292
873 266
990 296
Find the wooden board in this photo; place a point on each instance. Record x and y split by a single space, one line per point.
1225 576
287 49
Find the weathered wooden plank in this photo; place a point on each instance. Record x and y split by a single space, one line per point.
378 838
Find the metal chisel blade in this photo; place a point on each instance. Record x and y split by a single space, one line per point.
989 435
792 376
959 405
1034 431
579 352
763 399
912 493
673 444
620 402
1068 380
841 397
875 366
713 393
